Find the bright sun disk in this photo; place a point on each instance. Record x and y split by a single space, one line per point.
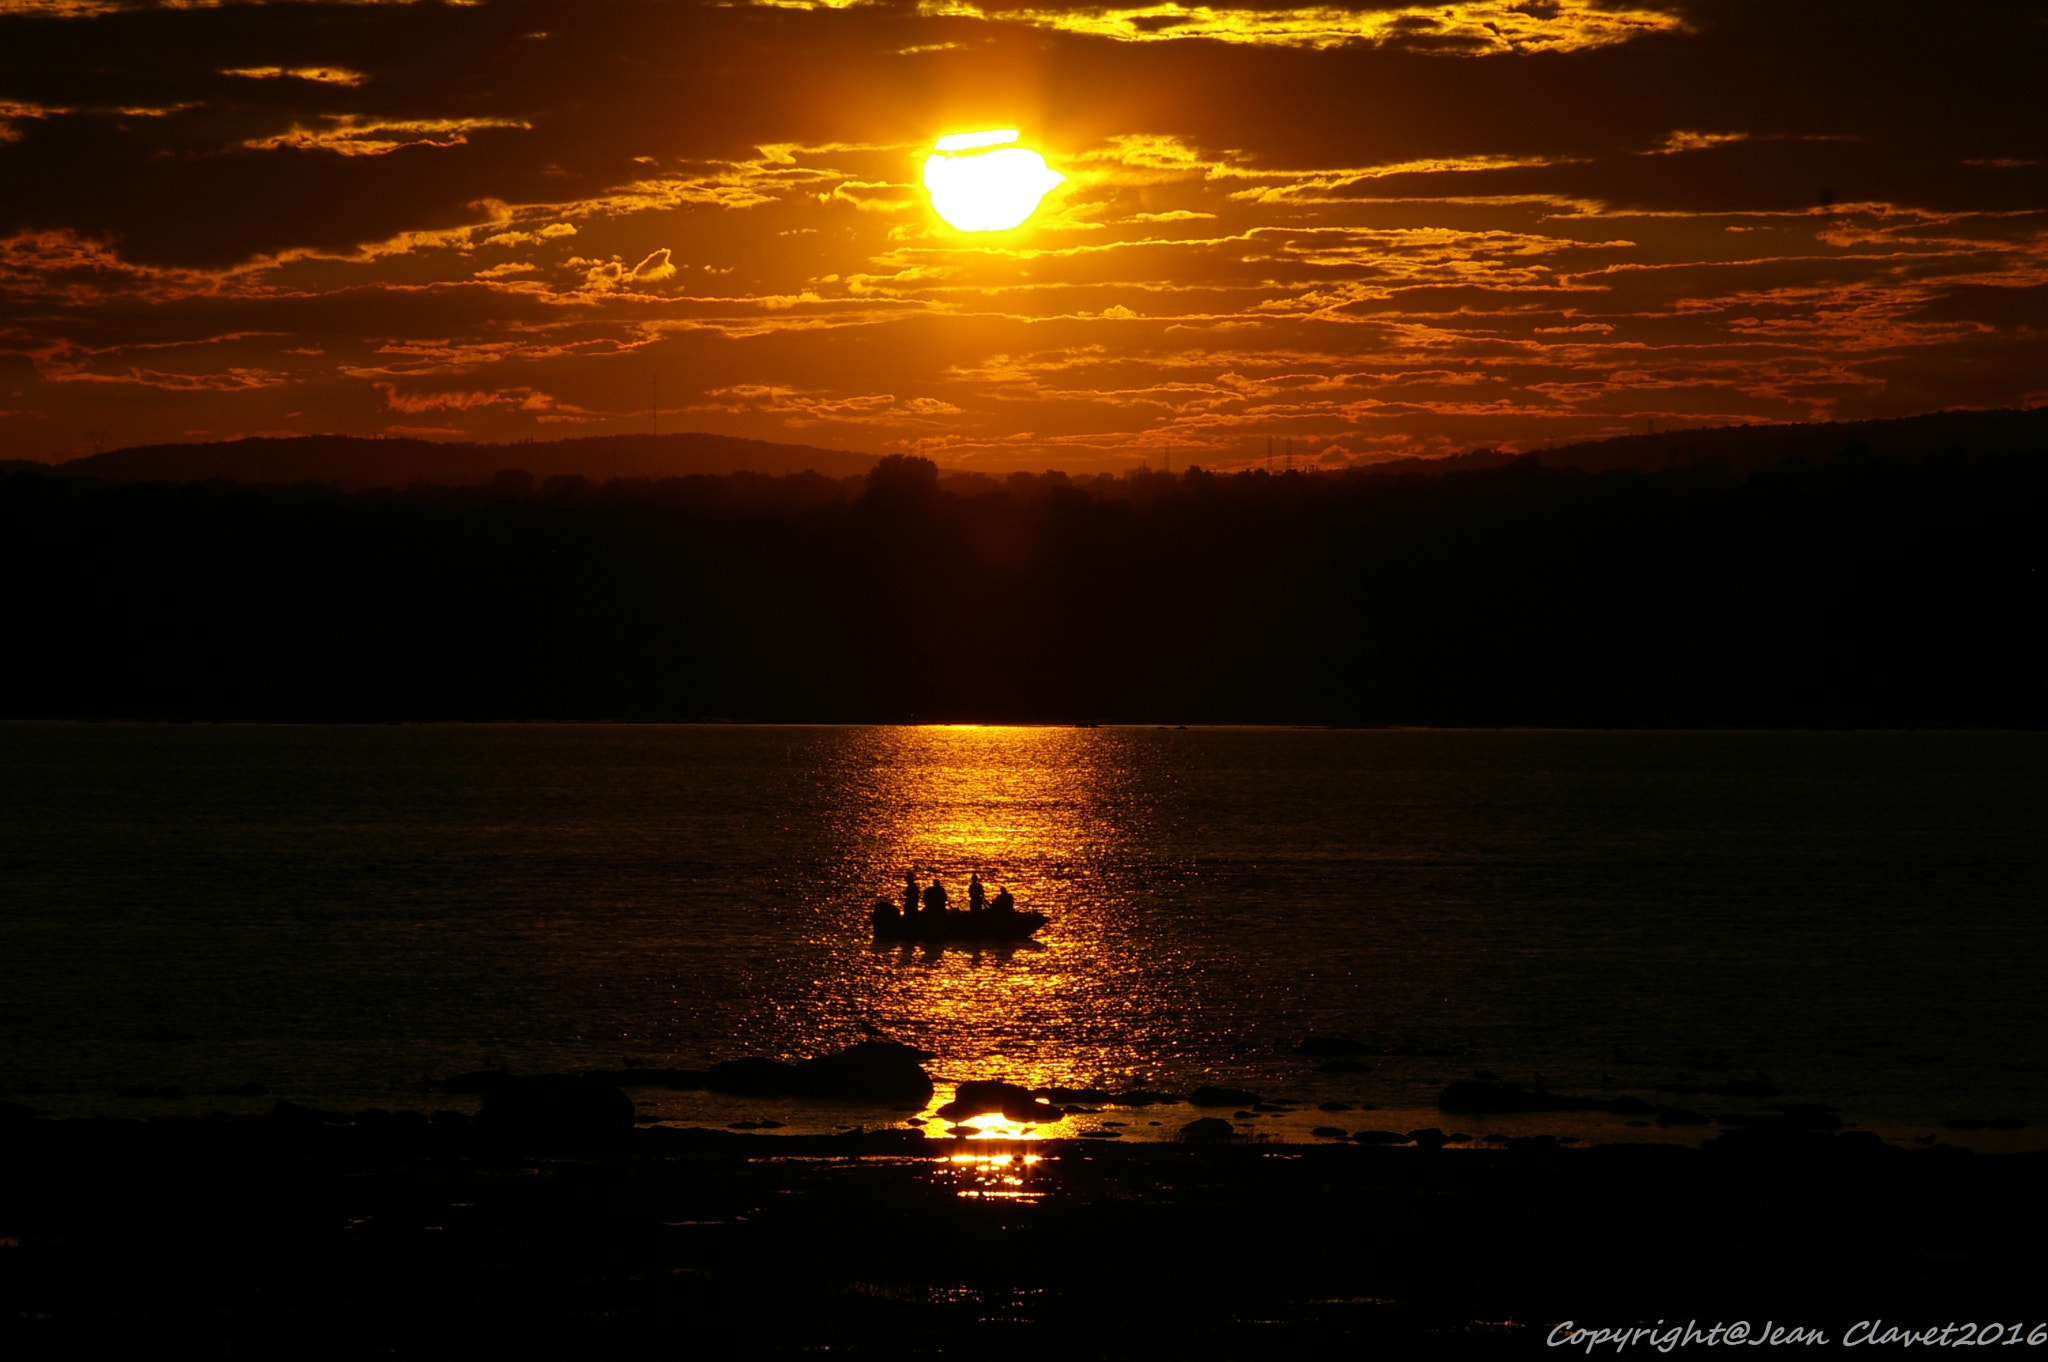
979 183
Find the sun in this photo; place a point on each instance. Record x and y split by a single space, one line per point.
979 183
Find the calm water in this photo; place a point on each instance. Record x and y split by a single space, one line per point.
340 912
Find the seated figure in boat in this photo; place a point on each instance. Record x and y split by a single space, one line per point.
910 895
935 903
886 915
1004 905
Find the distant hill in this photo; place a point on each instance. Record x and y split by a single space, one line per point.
352 462
1752 449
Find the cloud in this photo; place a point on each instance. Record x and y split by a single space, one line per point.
1460 27
1377 227
321 75
350 135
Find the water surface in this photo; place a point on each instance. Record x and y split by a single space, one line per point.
343 912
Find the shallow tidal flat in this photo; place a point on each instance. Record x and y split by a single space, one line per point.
410 1236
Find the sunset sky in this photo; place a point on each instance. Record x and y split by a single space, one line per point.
1366 229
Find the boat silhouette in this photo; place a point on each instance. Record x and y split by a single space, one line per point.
892 924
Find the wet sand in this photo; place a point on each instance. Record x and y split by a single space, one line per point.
401 1235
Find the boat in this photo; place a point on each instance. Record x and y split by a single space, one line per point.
987 925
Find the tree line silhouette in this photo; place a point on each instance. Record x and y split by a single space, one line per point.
1862 591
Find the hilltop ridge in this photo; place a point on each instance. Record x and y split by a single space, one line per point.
358 462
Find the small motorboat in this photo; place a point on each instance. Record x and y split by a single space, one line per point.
891 924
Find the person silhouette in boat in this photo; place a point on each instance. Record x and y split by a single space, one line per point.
910 895
935 903
1004 905
976 895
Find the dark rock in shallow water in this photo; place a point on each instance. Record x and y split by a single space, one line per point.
1204 1129
1139 1097
476 1080
556 1104
1334 1106
1533 1144
1210 1096
1380 1137
1428 1138
675 1080
751 1077
1331 1133
292 1113
1811 1115
1070 1096
874 1070
984 1097
1741 1087
1332 1045
1469 1095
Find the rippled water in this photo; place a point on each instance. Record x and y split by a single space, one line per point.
340 912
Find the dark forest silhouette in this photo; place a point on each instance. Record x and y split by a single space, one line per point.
1864 590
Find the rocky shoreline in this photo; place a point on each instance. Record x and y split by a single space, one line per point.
406 1234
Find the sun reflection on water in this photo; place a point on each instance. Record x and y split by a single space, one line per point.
1002 1176
1047 813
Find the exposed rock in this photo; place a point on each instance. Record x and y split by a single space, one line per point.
1429 1138
1533 1144
1139 1097
1070 1096
1741 1087
1811 1115
1472 1096
985 1096
874 1070
1334 1106
1380 1137
675 1080
1207 1129
292 1113
1332 1045
1211 1096
476 1080
1330 1133
750 1077
556 1104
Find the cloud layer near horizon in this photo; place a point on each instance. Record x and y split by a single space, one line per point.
1366 230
